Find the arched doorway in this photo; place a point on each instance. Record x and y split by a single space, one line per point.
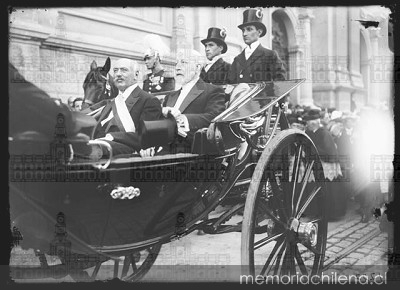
280 37
285 42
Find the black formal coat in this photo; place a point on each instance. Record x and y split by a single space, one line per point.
336 197
325 144
217 74
141 106
263 65
202 104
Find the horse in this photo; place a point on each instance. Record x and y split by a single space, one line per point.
98 86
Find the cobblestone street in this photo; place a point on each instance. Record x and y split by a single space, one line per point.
353 248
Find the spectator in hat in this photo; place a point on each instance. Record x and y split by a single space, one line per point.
330 162
158 80
296 122
216 69
255 63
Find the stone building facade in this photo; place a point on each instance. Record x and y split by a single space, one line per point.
345 65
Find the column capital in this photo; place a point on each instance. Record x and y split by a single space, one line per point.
305 14
374 32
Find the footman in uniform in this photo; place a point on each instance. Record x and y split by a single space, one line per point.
216 69
255 63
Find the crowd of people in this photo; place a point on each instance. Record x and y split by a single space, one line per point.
343 140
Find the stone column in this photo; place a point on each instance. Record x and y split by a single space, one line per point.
377 70
300 57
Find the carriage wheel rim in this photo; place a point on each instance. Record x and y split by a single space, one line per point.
303 240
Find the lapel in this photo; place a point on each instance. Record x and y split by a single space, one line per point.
106 111
216 66
255 55
133 98
203 73
191 96
171 99
242 59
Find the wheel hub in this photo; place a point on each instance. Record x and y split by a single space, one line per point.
307 233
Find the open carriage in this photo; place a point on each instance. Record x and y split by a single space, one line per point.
87 213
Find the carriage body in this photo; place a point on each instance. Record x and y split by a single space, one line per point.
122 205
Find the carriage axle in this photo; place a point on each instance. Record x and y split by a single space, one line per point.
306 232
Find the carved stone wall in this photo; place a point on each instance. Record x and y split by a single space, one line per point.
340 60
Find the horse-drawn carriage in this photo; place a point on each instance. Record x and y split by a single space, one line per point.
87 213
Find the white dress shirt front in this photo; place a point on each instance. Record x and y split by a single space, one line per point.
211 62
124 95
251 48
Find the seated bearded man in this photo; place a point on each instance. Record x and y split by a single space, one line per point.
195 103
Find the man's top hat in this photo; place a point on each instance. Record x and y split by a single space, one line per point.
253 16
218 36
312 114
157 132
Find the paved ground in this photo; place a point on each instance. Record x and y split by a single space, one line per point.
353 248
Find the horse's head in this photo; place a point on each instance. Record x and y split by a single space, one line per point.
98 85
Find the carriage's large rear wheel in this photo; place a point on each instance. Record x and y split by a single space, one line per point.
284 224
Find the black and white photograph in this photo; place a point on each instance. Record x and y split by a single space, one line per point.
249 145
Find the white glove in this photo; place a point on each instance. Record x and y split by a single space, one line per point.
174 112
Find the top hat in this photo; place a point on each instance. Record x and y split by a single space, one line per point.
254 17
312 114
157 132
218 36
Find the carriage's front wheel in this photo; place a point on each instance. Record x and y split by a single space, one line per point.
284 225
135 265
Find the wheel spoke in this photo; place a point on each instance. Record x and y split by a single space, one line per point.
295 174
96 270
305 180
125 267
275 218
278 266
272 256
116 264
292 264
133 263
265 241
308 201
300 261
312 249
